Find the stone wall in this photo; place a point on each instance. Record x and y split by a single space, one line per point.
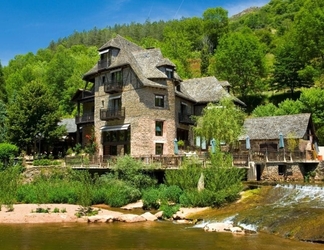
140 113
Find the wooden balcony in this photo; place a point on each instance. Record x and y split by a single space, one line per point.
274 157
186 119
85 118
113 87
112 114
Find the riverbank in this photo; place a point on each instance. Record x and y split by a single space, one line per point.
64 213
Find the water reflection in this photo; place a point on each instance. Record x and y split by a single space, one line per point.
147 235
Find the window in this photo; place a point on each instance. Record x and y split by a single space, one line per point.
115 103
103 79
117 77
159 101
159 148
159 128
169 73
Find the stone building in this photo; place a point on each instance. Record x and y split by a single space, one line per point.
135 103
279 147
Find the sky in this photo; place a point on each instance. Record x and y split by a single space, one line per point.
30 25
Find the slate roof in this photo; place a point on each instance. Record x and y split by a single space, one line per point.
262 128
70 125
206 89
144 62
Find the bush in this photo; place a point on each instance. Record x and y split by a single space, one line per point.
45 162
186 177
132 171
7 151
151 198
169 210
119 193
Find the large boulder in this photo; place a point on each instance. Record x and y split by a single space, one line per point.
130 218
149 217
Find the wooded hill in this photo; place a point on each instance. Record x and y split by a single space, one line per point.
270 55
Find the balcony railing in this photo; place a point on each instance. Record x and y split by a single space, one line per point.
112 114
185 118
273 156
113 86
103 64
85 118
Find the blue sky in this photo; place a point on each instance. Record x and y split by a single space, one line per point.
29 25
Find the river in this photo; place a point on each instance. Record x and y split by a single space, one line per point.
146 235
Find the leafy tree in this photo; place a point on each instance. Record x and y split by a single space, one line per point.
3 115
177 47
240 60
287 67
215 24
222 121
35 111
265 110
3 96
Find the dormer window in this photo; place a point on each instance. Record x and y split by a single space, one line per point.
169 73
105 58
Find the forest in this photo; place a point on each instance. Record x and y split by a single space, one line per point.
273 57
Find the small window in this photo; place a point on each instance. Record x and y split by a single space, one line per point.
159 101
117 77
169 73
159 148
103 79
159 128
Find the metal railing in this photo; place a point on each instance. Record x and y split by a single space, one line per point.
85 118
113 86
112 114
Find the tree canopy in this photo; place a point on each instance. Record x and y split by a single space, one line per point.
33 114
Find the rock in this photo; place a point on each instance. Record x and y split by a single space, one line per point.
237 230
101 218
149 217
183 221
130 218
159 215
218 227
135 205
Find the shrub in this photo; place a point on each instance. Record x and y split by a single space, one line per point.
151 198
9 182
186 177
119 193
169 210
7 151
131 171
171 194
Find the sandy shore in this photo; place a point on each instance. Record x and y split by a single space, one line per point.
25 213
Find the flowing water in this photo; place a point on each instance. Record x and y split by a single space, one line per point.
283 211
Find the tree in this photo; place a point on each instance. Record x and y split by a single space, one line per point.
3 115
34 112
287 67
222 122
215 24
309 26
3 95
239 59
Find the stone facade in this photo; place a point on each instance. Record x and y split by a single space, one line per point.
140 105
